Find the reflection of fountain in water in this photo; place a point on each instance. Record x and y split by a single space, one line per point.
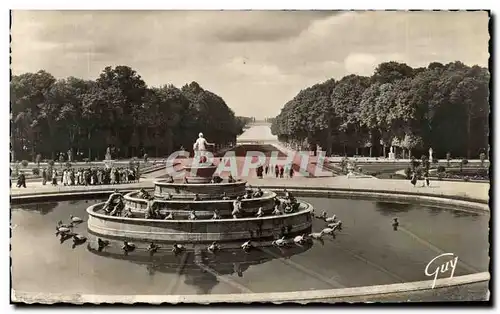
203 281
201 268
42 208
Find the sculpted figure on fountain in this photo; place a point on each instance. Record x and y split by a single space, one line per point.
200 147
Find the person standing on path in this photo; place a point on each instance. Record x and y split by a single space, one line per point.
426 179
282 171
414 179
44 176
291 173
21 181
54 177
277 171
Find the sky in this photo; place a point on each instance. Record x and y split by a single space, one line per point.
255 60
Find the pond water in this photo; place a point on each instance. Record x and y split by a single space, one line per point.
366 252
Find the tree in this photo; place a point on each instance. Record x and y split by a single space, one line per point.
100 111
165 107
441 106
472 94
346 98
117 109
131 89
28 92
410 142
68 96
389 72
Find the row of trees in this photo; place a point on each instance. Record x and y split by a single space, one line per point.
445 107
118 109
246 120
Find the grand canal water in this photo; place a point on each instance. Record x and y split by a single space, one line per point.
366 252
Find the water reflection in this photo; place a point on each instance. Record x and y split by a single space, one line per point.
41 208
389 209
459 214
75 202
434 211
200 268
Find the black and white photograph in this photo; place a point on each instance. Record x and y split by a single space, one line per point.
250 156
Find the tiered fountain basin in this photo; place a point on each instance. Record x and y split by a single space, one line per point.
205 191
229 233
204 209
200 173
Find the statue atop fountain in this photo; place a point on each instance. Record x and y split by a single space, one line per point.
199 171
200 147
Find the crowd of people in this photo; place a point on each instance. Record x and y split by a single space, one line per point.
90 176
280 171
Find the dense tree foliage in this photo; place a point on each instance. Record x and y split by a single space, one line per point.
51 116
445 107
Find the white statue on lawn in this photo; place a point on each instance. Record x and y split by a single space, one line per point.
200 147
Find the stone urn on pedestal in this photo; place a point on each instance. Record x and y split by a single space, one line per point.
108 162
392 154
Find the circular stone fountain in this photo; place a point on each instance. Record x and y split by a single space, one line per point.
177 200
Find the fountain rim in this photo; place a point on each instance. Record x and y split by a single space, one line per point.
199 166
298 296
91 211
163 183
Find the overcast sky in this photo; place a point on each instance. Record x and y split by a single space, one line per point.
255 60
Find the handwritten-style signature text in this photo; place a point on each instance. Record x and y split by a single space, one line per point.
441 264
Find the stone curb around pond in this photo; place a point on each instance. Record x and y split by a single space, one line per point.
458 180
443 201
375 191
275 297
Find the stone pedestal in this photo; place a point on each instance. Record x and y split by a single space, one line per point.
199 174
392 154
109 163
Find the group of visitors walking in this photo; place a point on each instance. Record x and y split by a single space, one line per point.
415 177
280 171
90 176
